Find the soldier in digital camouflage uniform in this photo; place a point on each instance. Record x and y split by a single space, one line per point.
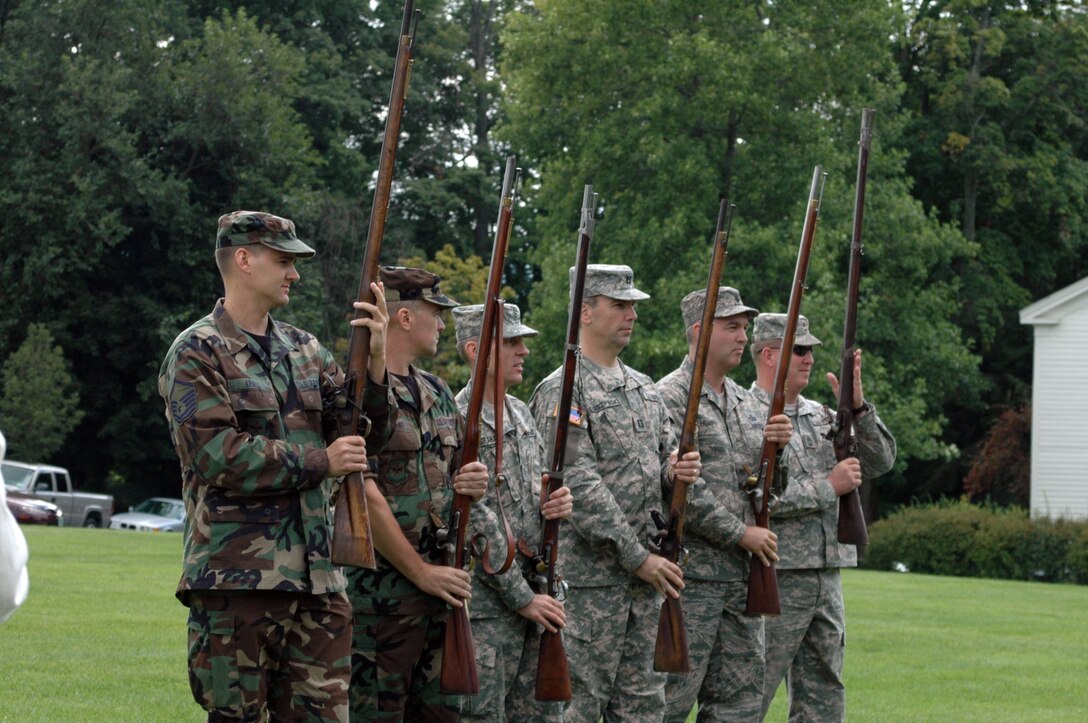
725 645
400 609
805 644
622 458
268 619
505 612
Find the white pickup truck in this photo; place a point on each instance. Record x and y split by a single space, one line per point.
53 484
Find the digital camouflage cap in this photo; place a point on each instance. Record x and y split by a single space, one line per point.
404 283
611 280
729 304
245 228
770 328
470 319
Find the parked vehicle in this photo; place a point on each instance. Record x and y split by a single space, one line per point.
31 511
157 514
53 484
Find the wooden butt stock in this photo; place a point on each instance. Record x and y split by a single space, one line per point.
351 540
552 670
459 656
671 650
852 520
762 590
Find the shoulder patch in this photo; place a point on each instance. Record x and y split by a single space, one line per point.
182 401
576 414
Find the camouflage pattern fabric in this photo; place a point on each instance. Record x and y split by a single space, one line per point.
397 653
247 427
812 624
618 449
725 646
237 667
507 644
396 662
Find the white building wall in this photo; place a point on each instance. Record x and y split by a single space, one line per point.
1059 441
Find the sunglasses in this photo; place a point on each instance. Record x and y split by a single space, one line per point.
801 350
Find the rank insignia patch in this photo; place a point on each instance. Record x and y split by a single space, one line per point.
182 401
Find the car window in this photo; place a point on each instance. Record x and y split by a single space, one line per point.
44 483
62 483
16 476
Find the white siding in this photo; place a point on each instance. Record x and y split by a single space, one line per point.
1059 439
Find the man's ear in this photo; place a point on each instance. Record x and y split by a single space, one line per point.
470 350
402 317
587 313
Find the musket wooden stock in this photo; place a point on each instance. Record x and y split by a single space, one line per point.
671 649
851 517
458 654
552 669
352 543
763 580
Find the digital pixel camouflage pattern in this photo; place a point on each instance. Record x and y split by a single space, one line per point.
805 643
395 649
618 450
725 646
507 644
247 427
237 670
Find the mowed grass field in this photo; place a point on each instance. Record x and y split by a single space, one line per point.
102 638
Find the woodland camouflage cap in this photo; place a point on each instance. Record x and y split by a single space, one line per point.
244 228
729 304
404 283
469 320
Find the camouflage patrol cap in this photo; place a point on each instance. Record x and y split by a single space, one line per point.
611 280
469 320
729 304
404 283
770 328
244 228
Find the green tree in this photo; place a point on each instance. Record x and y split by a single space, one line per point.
39 405
665 105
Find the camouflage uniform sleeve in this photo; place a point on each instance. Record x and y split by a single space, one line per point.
511 586
806 493
212 440
706 516
876 445
597 517
380 406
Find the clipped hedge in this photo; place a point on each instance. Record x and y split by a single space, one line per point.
966 540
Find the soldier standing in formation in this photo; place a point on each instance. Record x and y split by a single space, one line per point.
269 623
622 457
505 612
400 608
805 643
725 644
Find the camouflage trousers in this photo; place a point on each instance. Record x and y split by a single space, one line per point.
506 656
262 655
805 644
396 662
610 638
725 648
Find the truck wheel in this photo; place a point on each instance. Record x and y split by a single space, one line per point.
92 521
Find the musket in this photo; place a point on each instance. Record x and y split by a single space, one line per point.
552 669
458 654
851 517
763 580
671 649
352 543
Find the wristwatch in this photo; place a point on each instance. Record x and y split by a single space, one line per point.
865 408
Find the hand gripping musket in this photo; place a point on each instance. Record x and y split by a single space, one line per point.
762 580
458 654
671 650
553 670
351 539
851 517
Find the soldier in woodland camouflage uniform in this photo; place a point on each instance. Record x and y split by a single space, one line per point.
805 643
268 618
401 608
725 645
505 612
622 458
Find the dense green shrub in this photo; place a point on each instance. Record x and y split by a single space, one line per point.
966 540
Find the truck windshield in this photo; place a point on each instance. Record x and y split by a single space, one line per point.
16 477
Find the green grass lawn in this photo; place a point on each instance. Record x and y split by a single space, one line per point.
102 638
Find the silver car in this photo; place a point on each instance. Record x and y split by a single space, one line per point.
157 514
